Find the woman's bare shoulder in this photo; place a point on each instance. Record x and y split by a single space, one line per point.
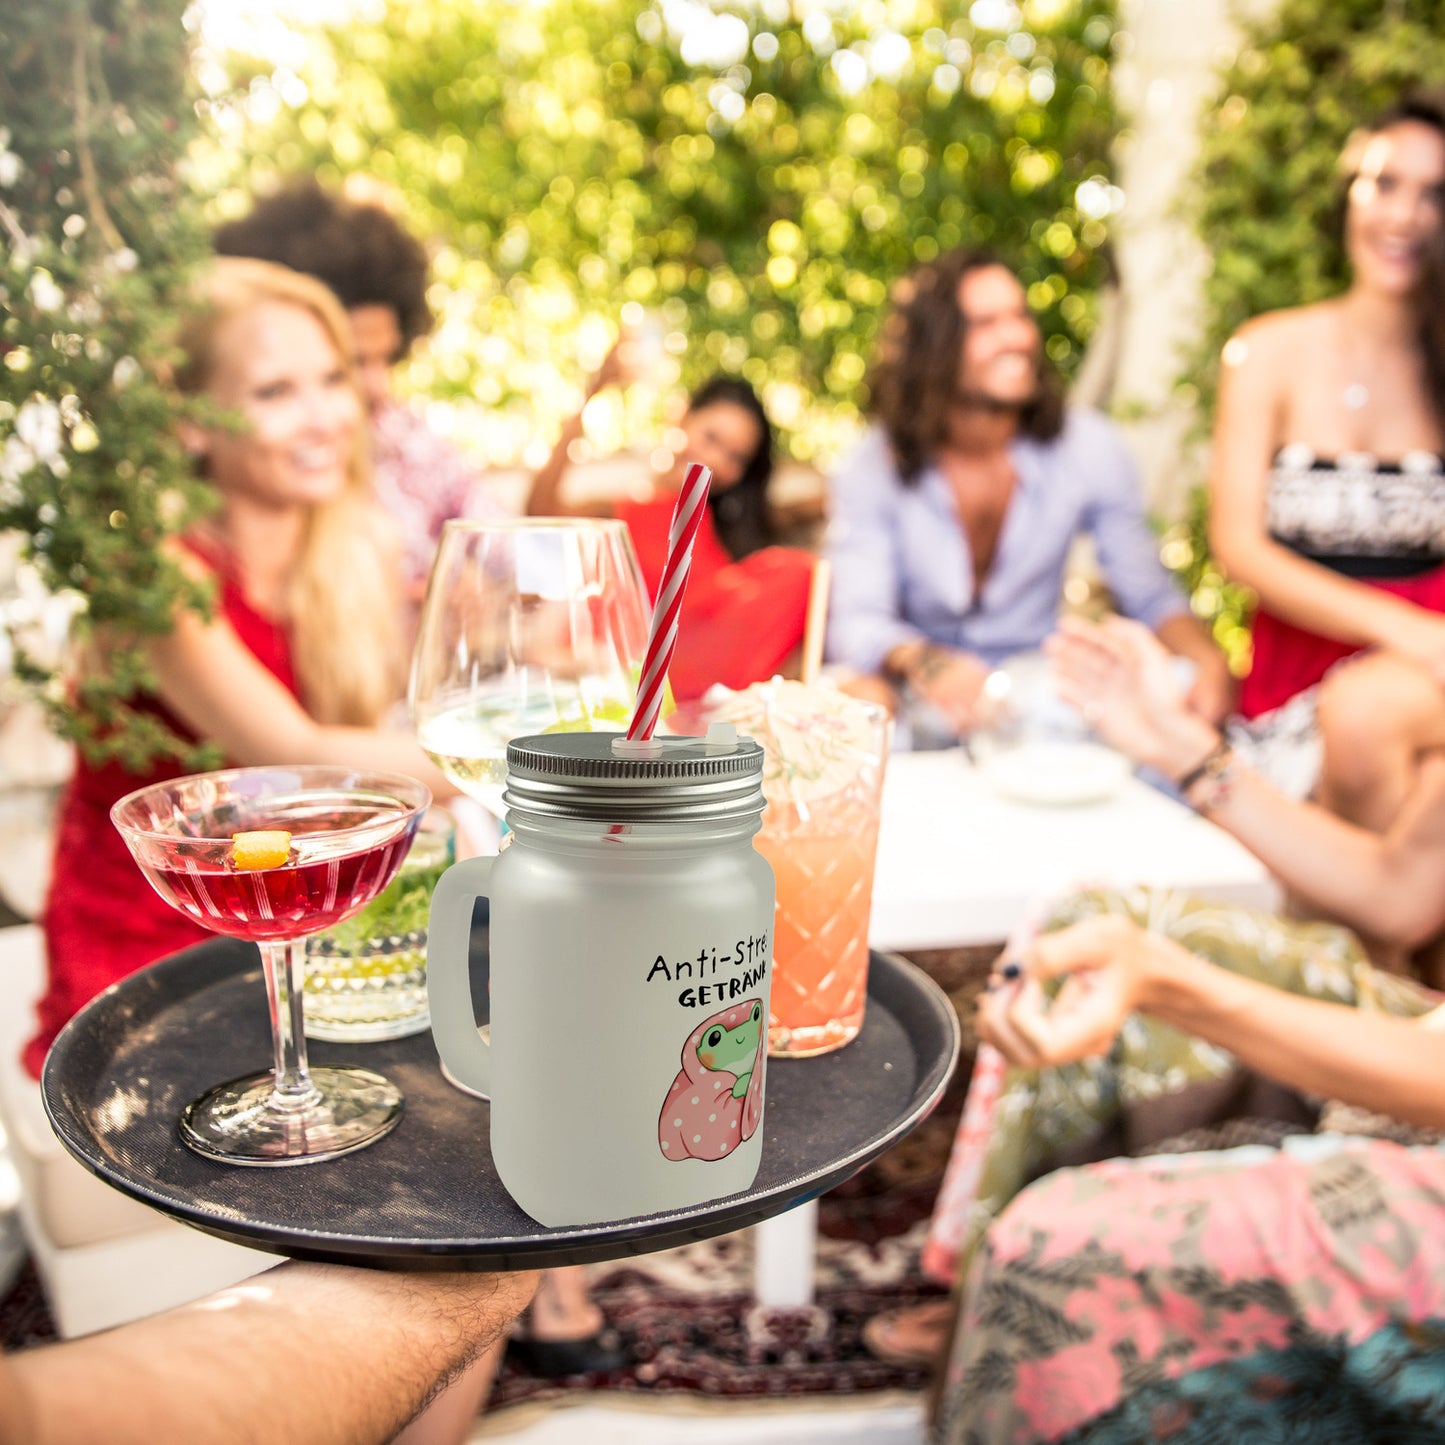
1275 335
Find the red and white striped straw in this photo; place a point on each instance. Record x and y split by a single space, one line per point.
662 641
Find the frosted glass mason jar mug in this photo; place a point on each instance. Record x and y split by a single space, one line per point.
631 965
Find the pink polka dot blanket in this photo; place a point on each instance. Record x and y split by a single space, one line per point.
716 1100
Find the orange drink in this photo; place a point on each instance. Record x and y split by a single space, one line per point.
823 778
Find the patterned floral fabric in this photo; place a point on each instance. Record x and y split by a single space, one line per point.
1357 506
1296 1293
1040 1115
1290 1295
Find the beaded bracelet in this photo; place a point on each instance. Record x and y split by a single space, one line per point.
923 666
930 663
1217 770
1185 781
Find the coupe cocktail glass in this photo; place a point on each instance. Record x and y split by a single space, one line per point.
349 830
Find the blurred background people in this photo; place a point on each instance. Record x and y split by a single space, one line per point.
1327 491
953 519
302 655
1389 886
1388 890
378 270
745 610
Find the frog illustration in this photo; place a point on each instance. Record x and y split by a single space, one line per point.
716 1100
733 1049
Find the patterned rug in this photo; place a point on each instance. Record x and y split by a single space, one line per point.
24 1313
687 1314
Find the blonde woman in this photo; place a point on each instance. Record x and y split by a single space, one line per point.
302 654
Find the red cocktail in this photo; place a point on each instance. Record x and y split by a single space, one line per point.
262 905
273 855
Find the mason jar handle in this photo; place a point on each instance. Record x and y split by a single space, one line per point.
448 973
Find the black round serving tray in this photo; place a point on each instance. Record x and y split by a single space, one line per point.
427 1196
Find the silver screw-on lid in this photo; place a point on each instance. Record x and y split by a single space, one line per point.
583 775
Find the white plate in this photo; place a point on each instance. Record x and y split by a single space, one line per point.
1057 774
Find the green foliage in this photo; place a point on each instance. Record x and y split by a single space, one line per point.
755 174
98 235
1266 192
1267 185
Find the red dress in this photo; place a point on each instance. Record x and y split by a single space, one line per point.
102 919
1380 523
1287 659
739 620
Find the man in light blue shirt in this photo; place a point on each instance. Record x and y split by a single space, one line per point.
953 518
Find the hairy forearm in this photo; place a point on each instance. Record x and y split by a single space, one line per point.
914 658
949 680
301 1355
1375 1061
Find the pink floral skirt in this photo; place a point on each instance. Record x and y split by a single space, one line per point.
1293 1294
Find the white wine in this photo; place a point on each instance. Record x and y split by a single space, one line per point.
468 742
478 778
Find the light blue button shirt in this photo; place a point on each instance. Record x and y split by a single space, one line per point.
902 568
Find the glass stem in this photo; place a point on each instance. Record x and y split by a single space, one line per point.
285 967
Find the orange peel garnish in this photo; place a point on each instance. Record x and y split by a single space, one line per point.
270 848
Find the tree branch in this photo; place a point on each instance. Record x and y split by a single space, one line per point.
11 222
89 181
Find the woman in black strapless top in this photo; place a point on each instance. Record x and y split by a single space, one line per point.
1328 496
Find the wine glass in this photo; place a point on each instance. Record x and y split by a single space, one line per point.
273 855
530 626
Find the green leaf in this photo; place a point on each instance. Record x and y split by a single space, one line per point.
100 238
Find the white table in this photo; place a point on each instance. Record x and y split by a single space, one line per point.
960 864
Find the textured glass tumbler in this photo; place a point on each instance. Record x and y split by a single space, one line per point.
366 980
822 845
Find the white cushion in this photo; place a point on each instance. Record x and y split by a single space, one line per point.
68 1202
105 1258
